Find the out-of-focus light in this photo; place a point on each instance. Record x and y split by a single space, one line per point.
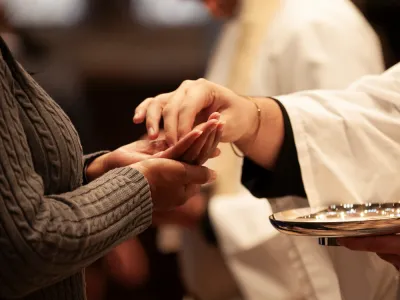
45 12
169 13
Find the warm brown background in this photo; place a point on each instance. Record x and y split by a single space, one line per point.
101 69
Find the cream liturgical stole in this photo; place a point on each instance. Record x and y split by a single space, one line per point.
238 51
252 26
253 20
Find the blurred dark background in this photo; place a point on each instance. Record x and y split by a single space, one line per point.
100 58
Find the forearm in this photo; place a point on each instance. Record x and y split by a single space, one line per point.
264 144
69 231
94 165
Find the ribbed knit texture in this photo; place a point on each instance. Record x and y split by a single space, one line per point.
51 226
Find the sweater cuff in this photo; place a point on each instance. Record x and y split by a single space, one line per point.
87 160
139 183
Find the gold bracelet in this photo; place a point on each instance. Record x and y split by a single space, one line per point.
258 126
235 151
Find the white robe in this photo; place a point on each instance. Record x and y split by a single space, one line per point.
311 44
362 161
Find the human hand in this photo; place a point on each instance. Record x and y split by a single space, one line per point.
386 247
171 182
195 148
203 148
193 103
187 215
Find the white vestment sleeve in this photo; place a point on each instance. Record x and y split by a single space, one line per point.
348 142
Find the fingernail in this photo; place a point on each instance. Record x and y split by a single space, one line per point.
151 131
159 154
198 132
213 176
215 116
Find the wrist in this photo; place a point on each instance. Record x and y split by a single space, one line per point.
97 167
246 141
264 146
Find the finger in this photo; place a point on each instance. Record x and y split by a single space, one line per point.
187 111
171 110
170 116
198 175
191 190
198 97
215 116
153 114
216 153
140 111
206 149
193 152
210 121
175 152
209 149
388 244
218 136
153 118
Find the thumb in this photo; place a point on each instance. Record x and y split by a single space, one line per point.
199 174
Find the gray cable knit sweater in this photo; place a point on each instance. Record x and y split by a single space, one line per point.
51 226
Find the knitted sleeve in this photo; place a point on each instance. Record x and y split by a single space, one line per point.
87 160
45 238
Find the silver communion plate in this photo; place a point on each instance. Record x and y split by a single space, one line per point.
345 220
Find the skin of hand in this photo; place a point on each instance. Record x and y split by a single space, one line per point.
193 103
171 182
258 136
386 247
187 215
195 148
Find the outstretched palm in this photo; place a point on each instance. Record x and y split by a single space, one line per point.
134 152
195 148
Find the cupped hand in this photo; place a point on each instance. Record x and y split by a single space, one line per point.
198 151
195 148
187 215
386 247
171 182
193 103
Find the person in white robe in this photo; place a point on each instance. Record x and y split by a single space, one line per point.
346 144
299 45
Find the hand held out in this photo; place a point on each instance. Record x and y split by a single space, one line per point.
171 182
